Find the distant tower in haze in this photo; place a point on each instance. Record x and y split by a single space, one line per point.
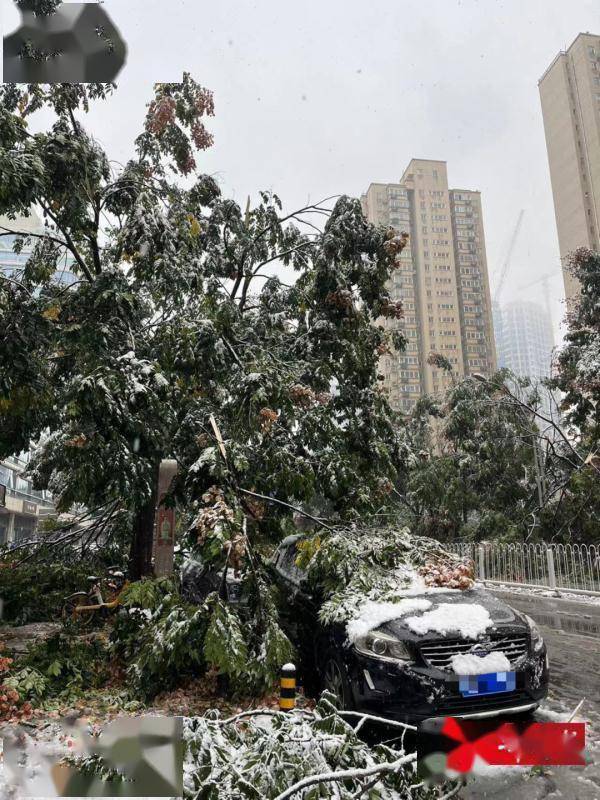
524 344
570 96
524 339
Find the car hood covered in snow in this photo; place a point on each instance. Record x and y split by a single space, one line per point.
500 614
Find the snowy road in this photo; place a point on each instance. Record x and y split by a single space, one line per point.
572 633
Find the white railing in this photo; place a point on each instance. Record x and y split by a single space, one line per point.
570 567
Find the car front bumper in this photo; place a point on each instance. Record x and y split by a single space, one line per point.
409 692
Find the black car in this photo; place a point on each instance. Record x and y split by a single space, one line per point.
198 580
398 674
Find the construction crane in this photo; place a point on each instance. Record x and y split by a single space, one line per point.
545 282
506 262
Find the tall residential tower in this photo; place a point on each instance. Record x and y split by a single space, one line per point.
442 280
570 95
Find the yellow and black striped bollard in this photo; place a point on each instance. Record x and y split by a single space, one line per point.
287 691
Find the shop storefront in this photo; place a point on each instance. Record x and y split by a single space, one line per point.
4 523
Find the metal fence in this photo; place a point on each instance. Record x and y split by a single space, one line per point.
570 567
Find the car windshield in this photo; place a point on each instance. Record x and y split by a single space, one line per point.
286 563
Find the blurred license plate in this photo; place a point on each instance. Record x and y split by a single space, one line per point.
490 683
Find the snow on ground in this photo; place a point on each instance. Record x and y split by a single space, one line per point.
371 614
469 664
491 783
532 590
482 769
469 620
552 716
41 746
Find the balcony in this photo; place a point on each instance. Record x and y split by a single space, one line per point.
20 461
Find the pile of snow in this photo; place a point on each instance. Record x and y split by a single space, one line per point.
469 620
469 664
562 594
371 614
554 716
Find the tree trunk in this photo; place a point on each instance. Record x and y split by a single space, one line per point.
140 552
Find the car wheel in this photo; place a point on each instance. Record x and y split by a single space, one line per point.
335 681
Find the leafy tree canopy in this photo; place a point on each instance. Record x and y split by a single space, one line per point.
176 322
491 461
472 468
579 361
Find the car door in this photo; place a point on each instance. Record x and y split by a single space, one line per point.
299 613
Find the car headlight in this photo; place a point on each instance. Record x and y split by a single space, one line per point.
536 637
377 644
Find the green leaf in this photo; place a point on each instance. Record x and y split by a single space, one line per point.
55 668
224 643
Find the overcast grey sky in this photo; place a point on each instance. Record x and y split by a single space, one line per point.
324 96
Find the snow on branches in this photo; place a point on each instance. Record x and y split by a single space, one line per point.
578 363
354 567
262 753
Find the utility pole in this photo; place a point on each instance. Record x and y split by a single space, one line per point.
164 525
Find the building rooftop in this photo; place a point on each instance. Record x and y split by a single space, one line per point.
562 53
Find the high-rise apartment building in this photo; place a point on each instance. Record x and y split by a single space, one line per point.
570 95
442 280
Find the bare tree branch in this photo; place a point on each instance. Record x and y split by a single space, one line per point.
287 505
